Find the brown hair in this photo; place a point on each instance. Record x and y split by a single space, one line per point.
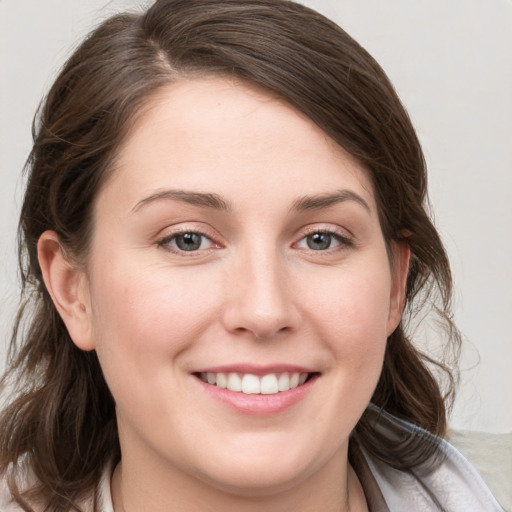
61 422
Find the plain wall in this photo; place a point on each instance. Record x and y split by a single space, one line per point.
451 63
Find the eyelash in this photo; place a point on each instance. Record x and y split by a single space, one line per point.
167 240
343 241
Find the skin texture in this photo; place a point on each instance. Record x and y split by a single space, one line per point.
254 293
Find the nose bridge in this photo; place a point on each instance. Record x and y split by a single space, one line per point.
261 302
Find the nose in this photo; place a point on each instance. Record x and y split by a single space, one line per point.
260 300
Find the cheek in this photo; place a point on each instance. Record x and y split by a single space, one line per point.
356 306
144 315
351 314
145 319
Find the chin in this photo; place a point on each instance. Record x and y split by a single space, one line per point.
260 472
256 480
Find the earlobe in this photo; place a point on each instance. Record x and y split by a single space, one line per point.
68 288
399 272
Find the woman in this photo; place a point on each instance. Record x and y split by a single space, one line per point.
223 224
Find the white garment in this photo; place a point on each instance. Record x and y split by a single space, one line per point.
454 484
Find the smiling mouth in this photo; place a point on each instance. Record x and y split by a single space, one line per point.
251 384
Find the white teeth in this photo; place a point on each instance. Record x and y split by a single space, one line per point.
221 380
294 380
234 382
250 384
269 385
284 382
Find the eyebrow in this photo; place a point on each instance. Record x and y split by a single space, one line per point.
216 202
201 199
320 201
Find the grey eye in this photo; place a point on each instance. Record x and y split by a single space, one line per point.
188 241
319 241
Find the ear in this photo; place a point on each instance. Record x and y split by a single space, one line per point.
401 255
68 288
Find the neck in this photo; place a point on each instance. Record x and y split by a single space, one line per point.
332 489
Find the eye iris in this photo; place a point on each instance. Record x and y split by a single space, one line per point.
188 241
319 241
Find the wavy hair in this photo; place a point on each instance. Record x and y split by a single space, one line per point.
60 421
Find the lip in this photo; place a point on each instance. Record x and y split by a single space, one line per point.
257 370
257 404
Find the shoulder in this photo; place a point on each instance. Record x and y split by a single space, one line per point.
452 483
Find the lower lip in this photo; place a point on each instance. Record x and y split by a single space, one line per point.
259 405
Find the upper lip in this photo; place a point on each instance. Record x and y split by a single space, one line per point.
259 370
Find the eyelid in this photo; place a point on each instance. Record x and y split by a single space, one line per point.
344 236
171 232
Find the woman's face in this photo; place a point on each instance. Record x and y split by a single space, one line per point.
235 243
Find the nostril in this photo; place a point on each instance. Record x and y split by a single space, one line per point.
262 334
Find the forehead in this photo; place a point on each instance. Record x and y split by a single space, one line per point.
217 133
